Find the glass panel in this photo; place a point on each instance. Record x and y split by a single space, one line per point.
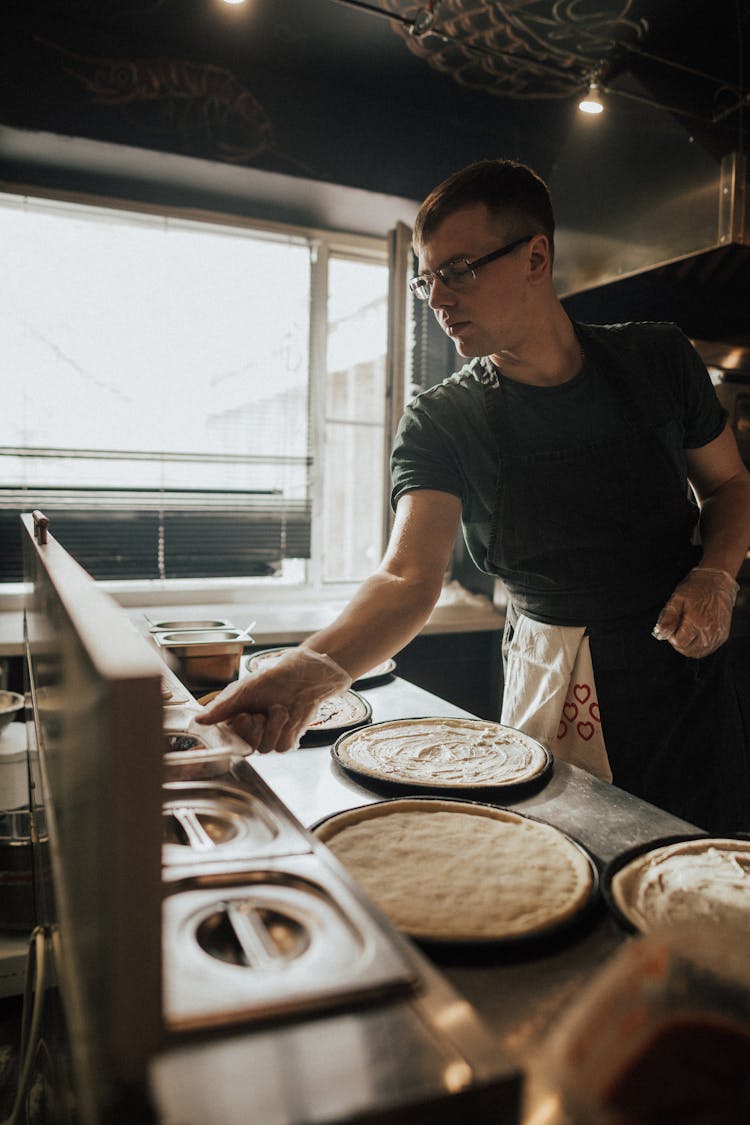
136 334
354 456
357 337
353 501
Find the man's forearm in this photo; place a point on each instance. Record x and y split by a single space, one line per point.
384 615
725 526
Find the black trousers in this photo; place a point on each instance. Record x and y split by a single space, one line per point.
673 727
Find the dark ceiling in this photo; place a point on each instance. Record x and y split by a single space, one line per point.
390 96
340 89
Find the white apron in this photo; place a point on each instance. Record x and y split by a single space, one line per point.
550 693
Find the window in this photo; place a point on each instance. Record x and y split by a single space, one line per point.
192 399
354 466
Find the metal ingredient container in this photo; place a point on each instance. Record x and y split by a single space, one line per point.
281 937
204 656
20 869
171 624
189 756
206 821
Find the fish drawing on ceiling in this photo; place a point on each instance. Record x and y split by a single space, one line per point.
203 104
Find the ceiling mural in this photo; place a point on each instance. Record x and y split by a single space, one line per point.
520 48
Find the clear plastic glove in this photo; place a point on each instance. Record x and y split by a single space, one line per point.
272 709
697 617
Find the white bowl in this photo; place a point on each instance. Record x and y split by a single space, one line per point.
11 703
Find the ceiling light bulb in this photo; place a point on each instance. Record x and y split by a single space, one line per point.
591 102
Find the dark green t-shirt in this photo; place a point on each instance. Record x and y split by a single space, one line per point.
444 441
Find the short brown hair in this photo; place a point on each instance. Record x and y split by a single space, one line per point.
506 187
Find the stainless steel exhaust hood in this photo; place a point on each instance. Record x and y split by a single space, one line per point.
685 259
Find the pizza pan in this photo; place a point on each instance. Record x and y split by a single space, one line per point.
406 768
259 660
341 712
378 672
565 920
631 855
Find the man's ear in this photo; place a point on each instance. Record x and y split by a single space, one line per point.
539 257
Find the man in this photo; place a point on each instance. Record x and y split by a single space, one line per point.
564 451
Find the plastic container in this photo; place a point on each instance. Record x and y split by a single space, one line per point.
661 1035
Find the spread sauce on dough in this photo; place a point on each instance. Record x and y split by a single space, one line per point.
692 881
443 752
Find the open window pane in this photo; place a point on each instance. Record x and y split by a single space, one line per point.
354 466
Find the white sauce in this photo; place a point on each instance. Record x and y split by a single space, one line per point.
711 886
443 752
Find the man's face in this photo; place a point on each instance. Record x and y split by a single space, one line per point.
483 315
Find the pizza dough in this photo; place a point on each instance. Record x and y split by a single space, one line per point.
699 880
453 871
443 753
269 656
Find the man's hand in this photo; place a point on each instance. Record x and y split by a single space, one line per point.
697 617
272 709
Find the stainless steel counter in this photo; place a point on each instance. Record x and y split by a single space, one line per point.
213 962
518 997
413 1054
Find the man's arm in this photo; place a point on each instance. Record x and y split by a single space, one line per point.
697 618
721 484
392 605
271 709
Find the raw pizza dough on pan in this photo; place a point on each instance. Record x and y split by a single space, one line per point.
443 753
452 871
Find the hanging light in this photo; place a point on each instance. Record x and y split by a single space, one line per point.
591 102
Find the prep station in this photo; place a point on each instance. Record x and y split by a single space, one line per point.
214 961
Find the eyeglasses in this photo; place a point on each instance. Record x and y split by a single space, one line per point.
459 273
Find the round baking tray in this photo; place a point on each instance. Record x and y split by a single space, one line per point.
379 672
624 858
256 662
388 786
474 950
320 730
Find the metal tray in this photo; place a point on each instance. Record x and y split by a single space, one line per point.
268 656
207 821
170 624
342 712
629 855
